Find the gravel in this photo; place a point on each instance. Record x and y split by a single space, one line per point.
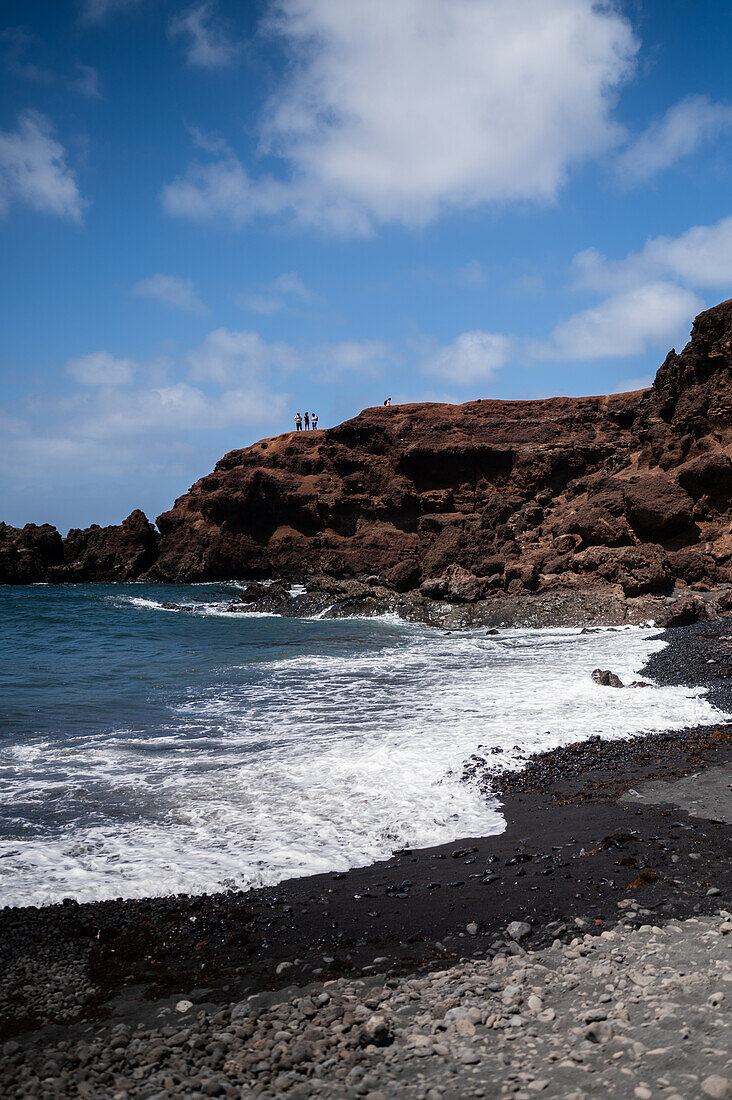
637 1011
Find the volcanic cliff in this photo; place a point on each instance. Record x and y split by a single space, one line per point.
459 501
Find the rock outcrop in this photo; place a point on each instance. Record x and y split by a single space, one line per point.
118 553
457 501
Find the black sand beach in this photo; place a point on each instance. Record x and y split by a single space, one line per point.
580 842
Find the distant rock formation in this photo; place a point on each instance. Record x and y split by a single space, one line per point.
118 553
459 501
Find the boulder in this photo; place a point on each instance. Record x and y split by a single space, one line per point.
377 1030
689 565
518 930
710 474
599 521
658 507
404 576
434 588
606 678
642 569
564 544
465 587
683 613
521 575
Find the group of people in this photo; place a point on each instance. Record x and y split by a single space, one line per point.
310 419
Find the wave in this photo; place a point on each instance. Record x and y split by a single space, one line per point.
322 750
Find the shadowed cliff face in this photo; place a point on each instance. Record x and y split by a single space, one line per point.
632 490
420 487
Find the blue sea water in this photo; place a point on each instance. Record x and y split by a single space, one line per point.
146 751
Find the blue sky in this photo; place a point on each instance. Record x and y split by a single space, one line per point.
215 214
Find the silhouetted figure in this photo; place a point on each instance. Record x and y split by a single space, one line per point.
388 401
298 422
314 418
307 421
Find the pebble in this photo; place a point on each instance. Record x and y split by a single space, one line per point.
479 1028
715 1086
518 930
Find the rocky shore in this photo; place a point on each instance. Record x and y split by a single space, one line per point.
619 499
586 949
328 597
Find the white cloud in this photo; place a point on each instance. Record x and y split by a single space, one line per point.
399 109
33 169
171 291
223 188
87 82
207 42
288 285
101 369
96 11
472 357
235 356
684 127
370 357
232 357
700 257
177 407
627 323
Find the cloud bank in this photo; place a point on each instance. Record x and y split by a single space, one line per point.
399 110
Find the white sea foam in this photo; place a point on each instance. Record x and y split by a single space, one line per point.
325 761
211 608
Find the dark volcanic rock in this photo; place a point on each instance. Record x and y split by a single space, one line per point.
28 554
606 678
644 569
710 474
657 506
463 502
117 553
684 612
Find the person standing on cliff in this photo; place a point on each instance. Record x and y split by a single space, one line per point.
314 419
388 401
298 422
307 422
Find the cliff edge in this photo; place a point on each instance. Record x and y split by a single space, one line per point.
460 501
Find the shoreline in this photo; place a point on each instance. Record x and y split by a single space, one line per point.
571 847
579 605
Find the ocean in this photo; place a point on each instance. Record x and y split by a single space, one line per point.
147 751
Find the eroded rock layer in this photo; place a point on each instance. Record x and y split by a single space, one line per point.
460 501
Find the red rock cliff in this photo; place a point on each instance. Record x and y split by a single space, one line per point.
632 489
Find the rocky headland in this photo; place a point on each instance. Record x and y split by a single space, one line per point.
623 499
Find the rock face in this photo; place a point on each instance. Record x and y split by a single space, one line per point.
117 553
458 501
